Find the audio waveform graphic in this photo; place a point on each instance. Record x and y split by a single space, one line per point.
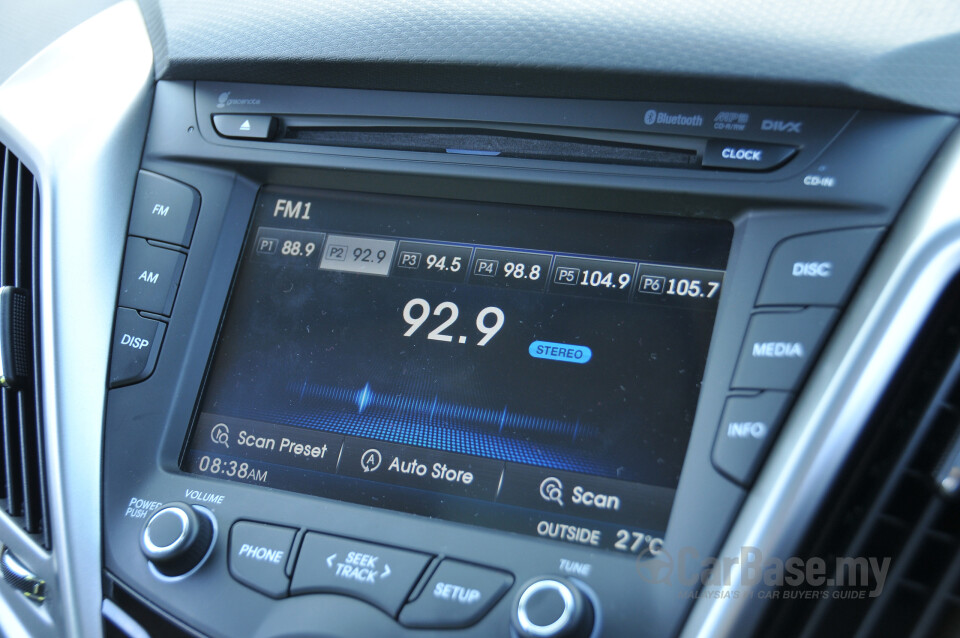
434 410
427 421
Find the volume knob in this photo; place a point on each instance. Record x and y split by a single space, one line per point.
552 607
176 538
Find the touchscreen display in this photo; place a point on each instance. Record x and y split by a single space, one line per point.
529 369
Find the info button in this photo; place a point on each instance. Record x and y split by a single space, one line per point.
560 352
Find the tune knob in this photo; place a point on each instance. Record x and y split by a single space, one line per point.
176 538
552 607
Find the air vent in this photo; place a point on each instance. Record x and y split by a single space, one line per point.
21 474
895 501
146 618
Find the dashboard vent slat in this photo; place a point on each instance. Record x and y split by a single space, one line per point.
22 472
889 503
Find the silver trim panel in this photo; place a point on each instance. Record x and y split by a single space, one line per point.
76 115
918 260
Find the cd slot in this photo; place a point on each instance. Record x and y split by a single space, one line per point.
492 142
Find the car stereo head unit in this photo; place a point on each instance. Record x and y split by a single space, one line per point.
530 369
372 376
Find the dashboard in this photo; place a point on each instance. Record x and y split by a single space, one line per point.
437 320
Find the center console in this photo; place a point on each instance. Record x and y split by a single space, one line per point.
410 364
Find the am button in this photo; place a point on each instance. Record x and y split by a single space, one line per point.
151 276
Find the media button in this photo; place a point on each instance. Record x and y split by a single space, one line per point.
780 347
382 576
457 595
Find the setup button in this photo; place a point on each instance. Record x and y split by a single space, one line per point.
458 595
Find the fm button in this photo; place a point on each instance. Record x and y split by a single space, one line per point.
745 156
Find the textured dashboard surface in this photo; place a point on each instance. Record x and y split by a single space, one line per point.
819 52
27 27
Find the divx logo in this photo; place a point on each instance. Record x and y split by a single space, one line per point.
780 126
224 100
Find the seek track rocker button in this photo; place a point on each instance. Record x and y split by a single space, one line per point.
382 576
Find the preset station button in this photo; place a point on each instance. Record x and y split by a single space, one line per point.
457 595
382 576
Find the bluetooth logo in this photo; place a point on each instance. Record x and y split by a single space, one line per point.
551 490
